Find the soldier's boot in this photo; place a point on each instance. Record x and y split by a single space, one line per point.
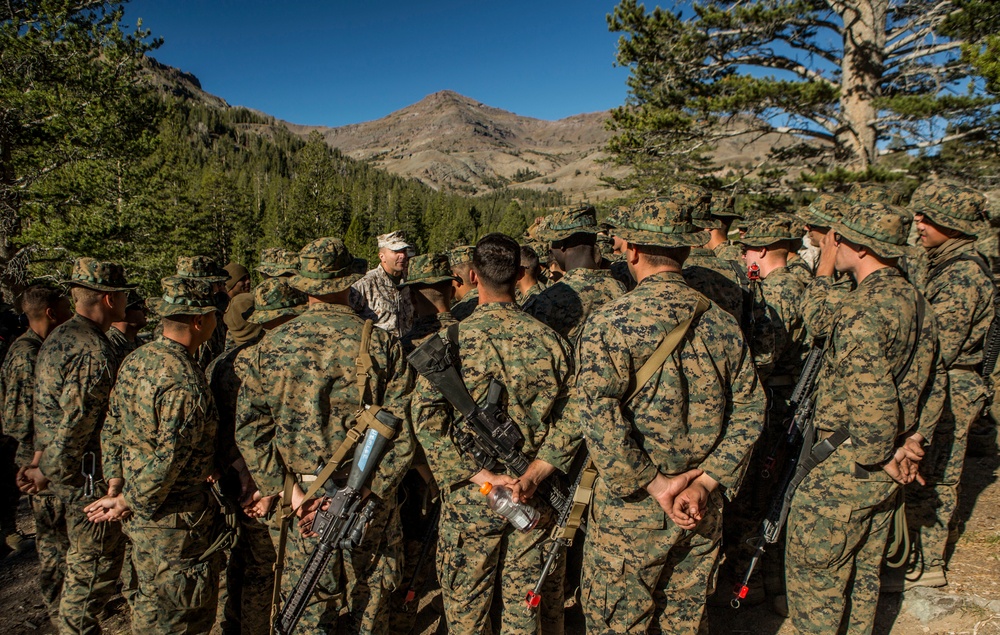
932 576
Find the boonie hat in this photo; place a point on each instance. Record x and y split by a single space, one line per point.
428 269
825 210
200 267
875 193
461 255
660 222
277 262
565 223
184 296
951 205
767 231
274 298
91 273
325 266
877 226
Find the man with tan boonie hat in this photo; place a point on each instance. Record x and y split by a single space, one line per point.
650 447
378 295
877 389
829 287
299 397
74 373
466 287
275 262
565 305
161 437
431 285
959 287
275 300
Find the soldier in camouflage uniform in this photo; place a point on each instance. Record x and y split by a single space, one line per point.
880 361
565 305
829 287
160 439
299 396
959 288
466 289
275 263
123 335
667 456
248 576
480 555
379 296
74 374
431 287
724 211
205 268
46 307
531 282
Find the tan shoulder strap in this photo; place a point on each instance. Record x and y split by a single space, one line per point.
666 347
364 365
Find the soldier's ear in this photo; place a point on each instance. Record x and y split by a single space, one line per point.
473 277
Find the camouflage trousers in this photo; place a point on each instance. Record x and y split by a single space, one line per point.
51 543
178 586
94 556
353 593
644 574
485 567
247 581
833 567
930 509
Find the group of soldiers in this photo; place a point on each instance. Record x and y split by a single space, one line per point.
667 352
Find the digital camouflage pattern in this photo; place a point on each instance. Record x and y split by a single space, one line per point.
121 344
961 296
380 299
51 544
297 401
951 205
479 553
523 298
821 301
160 436
728 251
73 378
716 279
627 587
839 519
276 262
565 305
464 307
783 294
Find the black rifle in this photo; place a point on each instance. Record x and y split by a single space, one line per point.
560 539
425 549
802 392
799 440
495 441
342 525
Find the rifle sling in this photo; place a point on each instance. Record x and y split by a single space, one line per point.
581 498
665 349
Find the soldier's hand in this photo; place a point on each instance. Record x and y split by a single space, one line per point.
261 507
913 448
107 509
115 486
525 486
35 481
827 255
690 505
21 480
307 514
485 476
665 489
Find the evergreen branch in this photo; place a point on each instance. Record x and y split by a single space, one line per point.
920 52
932 142
776 62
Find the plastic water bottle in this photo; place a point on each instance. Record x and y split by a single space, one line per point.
523 517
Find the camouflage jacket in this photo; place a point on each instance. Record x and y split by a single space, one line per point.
73 378
962 296
522 298
873 335
120 343
425 326
798 267
300 393
531 360
783 294
821 301
17 380
566 305
380 300
223 377
702 408
464 307
215 346
161 430
619 269
716 279
729 251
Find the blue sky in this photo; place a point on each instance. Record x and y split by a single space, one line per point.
339 62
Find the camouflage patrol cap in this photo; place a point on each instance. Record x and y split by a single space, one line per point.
201 267
325 266
660 222
428 269
277 262
91 273
879 227
569 221
274 298
460 255
237 319
951 205
825 210
768 231
184 296
875 193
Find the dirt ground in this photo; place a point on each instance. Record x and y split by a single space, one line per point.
973 573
